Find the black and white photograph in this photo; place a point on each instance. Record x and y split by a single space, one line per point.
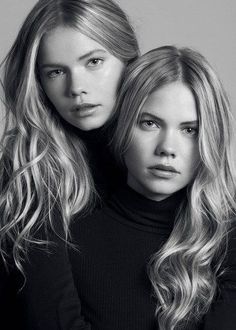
117 165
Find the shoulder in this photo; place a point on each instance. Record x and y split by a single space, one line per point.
93 227
80 223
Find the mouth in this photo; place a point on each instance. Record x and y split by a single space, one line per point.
167 168
85 109
163 171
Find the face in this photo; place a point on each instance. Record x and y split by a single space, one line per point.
163 154
79 76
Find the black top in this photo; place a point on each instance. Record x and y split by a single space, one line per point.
115 245
107 175
48 300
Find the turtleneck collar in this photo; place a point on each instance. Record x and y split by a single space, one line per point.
94 136
135 210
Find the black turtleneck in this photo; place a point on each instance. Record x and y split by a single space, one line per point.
110 268
107 175
47 299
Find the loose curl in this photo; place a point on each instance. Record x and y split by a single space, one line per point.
184 273
45 178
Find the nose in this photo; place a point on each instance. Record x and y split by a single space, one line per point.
166 145
76 85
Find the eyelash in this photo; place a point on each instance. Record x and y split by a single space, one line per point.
194 131
58 72
144 124
52 74
99 60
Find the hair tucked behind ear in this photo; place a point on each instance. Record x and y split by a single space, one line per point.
185 271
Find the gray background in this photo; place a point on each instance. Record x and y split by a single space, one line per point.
206 25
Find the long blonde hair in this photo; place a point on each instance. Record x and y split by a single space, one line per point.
185 270
45 178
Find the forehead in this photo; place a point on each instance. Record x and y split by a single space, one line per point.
174 100
63 42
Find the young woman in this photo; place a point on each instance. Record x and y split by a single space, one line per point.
161 254
61 78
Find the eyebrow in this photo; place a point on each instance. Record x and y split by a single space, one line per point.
190 122
81 58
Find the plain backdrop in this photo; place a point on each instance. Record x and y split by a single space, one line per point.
206 25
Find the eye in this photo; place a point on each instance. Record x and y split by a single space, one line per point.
55 73
148 124
192 131
93 62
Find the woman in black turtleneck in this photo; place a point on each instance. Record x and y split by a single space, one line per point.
65 67
115 246
161 254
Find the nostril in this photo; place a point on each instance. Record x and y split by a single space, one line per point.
166 154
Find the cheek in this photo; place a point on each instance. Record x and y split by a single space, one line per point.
53 88
110 80
109 87
134 156
49 90
54 94
55 97
192 159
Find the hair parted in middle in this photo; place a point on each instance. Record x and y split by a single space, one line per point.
184 272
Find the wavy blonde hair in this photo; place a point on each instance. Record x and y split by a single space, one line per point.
184 272
45 178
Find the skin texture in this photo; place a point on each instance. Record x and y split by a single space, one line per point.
166 134
75 70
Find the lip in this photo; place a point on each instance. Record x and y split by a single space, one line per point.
163 171
163 167
84 109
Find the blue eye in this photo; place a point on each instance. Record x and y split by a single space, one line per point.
55 73
93 62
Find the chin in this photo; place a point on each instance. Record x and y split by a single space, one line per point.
89 126
154 193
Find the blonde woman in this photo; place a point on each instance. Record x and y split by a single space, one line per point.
161 254
60 82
